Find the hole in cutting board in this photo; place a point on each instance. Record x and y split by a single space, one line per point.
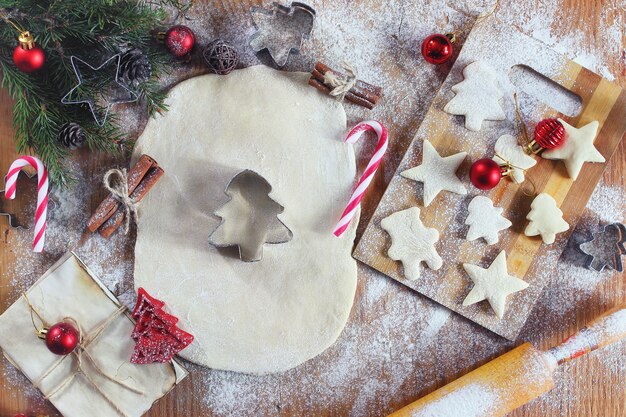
545 90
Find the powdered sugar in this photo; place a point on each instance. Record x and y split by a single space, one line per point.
397 345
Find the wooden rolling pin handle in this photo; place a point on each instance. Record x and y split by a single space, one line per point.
606 329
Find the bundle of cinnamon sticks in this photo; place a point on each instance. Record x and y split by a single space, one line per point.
110 214
362 94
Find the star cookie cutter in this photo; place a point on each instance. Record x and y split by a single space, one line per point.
12 218
281 29
99 112
249 218
606 248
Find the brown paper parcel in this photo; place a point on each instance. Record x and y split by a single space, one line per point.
69 290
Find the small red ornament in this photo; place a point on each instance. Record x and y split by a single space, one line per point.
27 56
437 48
549 134
62 338
180 40
156 335
485 174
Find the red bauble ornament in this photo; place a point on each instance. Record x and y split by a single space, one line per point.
485 174
549 134
62 338
27 56
180 40
437 48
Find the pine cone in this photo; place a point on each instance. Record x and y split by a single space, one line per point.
134 68
71 135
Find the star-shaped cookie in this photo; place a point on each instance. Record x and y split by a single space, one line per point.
412 242
493 284
437 173
485 220
509 151
577 149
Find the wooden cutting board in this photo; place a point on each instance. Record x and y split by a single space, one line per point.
518 60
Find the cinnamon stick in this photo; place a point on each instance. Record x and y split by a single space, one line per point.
115 221
351 97
361 89
110 205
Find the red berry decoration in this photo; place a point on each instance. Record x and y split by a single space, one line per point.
437 48
549 134
157 339
62 338
27 56
485 174
180 40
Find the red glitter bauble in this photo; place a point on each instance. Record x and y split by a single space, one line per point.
62 338
485 174
20 415
180 40
28 60
549 133
437 48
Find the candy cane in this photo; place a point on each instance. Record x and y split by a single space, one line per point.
42 194
368 175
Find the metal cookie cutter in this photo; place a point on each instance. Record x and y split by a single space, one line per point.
606 248
27 183
281 29
249 218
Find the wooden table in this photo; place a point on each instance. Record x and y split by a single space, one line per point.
383 360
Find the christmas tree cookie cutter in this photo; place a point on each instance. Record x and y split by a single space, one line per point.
281 29
28 184
249 218
606 248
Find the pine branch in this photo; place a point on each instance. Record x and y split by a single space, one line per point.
93 30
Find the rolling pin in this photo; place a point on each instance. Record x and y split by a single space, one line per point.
515 378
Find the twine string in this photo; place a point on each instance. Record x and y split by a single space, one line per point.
341 84
119 190
479 19
79 354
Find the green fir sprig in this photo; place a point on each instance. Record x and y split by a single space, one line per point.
93 30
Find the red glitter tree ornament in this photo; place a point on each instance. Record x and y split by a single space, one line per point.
157 338
437 48
549 134
62 338
180 40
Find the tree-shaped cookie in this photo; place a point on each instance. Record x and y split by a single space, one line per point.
508 151
477 96
493 284
157 338
437 173
249 218
485 220
546 219
412 242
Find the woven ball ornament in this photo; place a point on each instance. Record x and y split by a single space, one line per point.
549 134
221 57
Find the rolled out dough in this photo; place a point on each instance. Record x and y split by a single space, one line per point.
266 316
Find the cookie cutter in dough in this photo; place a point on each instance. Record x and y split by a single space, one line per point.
281 29
12 218
606 248
249 218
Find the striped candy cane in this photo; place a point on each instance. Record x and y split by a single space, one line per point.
42 194
368 175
